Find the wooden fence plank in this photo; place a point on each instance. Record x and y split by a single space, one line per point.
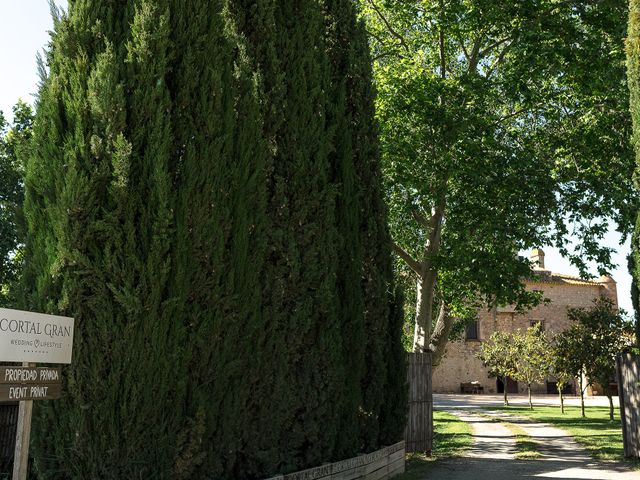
419 430
628 372
379 474
381 464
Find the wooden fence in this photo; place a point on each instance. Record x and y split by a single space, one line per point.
379 465
629 393
418 435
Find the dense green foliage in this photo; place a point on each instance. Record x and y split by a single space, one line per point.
523 356
499 356
633 81
203 196
591 344
14 140
562 369
532 359
504 126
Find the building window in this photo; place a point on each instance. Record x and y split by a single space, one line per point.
534 322
472 330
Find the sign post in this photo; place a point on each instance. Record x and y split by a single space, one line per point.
23 434
31 338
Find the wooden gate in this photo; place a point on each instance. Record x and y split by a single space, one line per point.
419 432
629 393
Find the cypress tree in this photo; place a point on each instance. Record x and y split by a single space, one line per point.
143 198
633 79
298 402
371 338
339 27
203 196
99 204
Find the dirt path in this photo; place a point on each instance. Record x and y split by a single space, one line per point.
492 455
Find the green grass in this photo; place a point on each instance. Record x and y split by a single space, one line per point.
526 448
599 435
451 437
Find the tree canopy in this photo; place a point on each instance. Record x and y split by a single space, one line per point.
531 355
602 332
504 127
14 140
499 355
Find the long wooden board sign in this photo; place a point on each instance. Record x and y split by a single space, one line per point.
18 392
29 376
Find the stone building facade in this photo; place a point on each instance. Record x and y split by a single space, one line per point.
461 364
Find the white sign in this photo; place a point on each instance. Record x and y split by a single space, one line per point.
35 337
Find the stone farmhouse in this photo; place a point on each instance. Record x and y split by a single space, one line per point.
461 364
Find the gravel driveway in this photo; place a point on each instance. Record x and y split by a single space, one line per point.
492 455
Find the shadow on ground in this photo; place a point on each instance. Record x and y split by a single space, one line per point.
508 469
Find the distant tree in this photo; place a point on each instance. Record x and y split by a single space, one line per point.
498 355
572 356
605 333
532 360
13 142
562 370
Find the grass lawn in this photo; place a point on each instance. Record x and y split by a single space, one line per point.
601 436
451 437
526 448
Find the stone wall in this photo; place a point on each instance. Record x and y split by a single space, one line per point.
461 363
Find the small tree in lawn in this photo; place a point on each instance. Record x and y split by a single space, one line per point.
532 362
497 354
563 369
573 355
606 332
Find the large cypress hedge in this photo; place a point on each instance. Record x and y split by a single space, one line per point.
633 80
203 196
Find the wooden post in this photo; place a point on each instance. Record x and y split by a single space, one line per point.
23 433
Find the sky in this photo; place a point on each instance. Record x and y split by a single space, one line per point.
24 26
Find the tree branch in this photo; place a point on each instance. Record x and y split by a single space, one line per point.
516 113
384 55
440 336
388 25
420 218
437 218
493 45
464 50
406 256
474 57
443 64
498 60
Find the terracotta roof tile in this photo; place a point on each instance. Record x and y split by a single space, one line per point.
550 277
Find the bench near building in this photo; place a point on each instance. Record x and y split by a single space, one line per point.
461 367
